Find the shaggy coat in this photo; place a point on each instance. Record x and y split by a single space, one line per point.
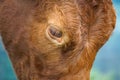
55 39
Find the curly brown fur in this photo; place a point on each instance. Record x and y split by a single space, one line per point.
86 25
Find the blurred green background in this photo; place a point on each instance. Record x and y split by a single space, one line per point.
106 65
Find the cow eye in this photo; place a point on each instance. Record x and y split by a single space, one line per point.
55 32
56 35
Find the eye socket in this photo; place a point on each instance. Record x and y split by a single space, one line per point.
55 32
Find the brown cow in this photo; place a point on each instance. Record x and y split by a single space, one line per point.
55 39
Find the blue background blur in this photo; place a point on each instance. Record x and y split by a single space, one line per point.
106 65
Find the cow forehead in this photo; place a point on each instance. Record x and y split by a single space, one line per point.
65 15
